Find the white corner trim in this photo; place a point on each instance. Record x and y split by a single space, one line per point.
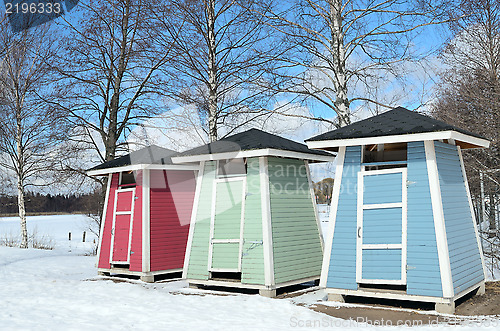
439 224
146 221
267 235
171 166
194 213
242 222
473 214
382 171
332 217
252 153
213 204
132 223
103 216
404 237
313 200
457 136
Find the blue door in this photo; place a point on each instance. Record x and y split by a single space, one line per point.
381 219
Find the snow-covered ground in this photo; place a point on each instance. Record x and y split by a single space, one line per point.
55 228
59 290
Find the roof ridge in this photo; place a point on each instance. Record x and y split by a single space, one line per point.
251 139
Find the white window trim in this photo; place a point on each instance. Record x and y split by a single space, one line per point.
146 221
332 217
194 214
103 218
267 230
439 224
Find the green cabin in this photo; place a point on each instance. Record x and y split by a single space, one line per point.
254 223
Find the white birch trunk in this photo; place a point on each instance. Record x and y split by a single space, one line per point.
22 214
20 184
212 72
339 64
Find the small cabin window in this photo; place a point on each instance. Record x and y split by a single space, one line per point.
231 167
383 156
127 178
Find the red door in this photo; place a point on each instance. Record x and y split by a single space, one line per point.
122 226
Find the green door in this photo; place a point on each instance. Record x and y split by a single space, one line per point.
227 225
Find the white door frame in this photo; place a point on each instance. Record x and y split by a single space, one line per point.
212 223
359 236
131 213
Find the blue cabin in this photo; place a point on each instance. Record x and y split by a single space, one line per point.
402 224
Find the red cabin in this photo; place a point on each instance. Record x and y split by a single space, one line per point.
146 214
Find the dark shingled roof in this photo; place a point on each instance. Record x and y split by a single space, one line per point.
398 121
149 155
252 139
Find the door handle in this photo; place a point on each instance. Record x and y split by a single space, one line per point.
359 234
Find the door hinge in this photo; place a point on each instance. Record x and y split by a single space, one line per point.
135 198
409 267
409 182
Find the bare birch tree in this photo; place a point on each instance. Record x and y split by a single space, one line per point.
468 96
29 129
226 55
109 82
469 92
110 64
341 48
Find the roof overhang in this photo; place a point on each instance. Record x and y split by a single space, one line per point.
463 140
135 167
253 153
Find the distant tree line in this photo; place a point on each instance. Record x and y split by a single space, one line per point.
48 203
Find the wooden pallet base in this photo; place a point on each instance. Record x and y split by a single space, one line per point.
266 291
147 277
442 305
